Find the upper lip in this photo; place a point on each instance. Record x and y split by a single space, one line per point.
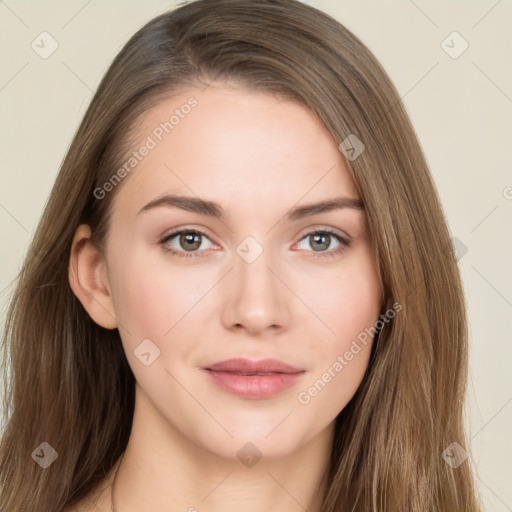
243 365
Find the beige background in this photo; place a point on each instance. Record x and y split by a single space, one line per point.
461 108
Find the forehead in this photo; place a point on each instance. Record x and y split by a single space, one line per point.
246 150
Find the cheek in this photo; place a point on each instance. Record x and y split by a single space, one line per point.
351 300
152 295
154 301
350 307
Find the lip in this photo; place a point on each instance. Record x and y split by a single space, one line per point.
242 365
228 376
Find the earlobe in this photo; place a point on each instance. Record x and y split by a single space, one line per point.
88 278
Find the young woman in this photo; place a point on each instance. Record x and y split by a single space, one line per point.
242 293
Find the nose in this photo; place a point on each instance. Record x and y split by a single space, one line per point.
255 296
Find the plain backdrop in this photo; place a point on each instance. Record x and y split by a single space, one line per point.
460 103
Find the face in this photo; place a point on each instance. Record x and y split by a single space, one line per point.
192 287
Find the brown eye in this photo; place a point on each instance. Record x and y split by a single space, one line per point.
187 242
190 241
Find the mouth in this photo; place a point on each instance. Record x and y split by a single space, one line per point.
254 380
250 374
249 367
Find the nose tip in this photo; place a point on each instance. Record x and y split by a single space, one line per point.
257 300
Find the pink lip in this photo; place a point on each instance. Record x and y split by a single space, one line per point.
226 375
243 365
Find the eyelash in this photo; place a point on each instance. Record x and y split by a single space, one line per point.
344 243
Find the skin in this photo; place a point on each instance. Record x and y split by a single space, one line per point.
258 156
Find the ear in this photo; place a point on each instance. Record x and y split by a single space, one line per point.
88 278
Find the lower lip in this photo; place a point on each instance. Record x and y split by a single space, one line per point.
255 387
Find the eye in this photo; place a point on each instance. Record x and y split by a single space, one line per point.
188 239
320 239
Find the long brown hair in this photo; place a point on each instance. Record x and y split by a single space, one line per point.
67 379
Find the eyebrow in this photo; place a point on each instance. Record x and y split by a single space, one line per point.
215 210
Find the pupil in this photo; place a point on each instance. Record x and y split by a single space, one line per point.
317 237
189 239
